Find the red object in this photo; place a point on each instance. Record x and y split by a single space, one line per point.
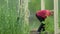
43 13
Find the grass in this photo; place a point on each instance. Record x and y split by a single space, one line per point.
8 14
8 18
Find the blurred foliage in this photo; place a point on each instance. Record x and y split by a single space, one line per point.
59 11
34 5
49 24
49 4
8 16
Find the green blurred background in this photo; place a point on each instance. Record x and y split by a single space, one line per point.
9 14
